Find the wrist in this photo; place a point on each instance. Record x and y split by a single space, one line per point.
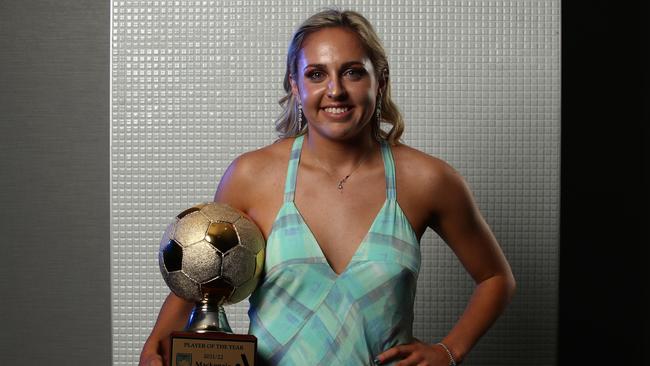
453 361
457 347
150 347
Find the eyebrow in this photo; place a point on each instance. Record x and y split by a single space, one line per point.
322 66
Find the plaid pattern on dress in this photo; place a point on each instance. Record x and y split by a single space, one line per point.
303 313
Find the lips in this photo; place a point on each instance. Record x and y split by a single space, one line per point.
336 110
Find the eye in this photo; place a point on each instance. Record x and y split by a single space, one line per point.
354 74
315 75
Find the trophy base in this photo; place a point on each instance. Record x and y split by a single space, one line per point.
212 349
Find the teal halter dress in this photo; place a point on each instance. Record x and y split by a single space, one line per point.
303 313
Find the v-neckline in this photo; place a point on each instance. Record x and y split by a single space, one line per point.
315 241
319 249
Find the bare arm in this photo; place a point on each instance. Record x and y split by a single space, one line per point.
175 311
459 222
172 317
449 206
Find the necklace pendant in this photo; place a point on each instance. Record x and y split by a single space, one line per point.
340 186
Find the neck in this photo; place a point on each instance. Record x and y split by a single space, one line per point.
340 157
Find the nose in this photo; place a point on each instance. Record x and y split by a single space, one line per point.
335 89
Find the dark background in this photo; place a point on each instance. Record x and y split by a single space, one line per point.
604 196
55 300
54 159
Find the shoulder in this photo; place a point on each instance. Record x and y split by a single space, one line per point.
429 182
422 168
262 161
254 175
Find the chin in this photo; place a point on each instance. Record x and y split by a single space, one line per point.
345 134
340 130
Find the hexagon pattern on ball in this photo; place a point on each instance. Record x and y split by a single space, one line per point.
191 228
190 210
220 212
222 235
183 286
243 276
220 251
169 234
201 262
249 235
238 266
246 288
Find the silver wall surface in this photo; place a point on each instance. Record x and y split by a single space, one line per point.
196 83
54 183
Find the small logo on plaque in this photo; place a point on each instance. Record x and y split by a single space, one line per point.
183 359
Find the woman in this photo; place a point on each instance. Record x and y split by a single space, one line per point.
343 206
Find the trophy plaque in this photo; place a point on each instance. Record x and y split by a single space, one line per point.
213 255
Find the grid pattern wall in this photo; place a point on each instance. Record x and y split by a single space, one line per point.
196 83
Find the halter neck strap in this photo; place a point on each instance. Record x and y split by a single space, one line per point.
389 170
292 170
294 162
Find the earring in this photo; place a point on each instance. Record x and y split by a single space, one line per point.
378 113
300 117
376 128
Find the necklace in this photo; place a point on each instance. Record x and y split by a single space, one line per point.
339 186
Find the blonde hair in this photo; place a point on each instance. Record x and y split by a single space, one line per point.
288 124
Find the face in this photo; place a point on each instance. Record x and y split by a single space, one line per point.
335 82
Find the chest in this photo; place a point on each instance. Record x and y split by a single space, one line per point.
332 212
339 220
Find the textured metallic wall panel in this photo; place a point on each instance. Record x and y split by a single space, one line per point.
196 83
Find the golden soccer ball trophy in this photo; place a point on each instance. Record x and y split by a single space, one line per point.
213 255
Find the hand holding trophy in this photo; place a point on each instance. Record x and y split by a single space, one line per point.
213 255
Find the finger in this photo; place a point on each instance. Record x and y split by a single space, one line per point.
412 360
154 360
393 353
165 349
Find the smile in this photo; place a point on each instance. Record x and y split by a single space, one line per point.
336 110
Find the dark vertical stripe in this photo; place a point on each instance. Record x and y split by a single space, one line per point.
54 180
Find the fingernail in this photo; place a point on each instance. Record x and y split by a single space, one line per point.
376 361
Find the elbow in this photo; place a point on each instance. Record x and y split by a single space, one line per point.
502 285
505 285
